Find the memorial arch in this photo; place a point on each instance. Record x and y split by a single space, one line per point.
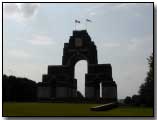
60 82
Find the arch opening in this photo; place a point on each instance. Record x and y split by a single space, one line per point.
81 69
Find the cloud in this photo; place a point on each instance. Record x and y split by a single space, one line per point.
124 5
95 6
113 7
111 45
11 8
92 13
28 10
41 40
20 11
18 53
142 43
133 44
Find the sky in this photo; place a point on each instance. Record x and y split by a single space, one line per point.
34 35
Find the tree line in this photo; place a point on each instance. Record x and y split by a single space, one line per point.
18 89
146 90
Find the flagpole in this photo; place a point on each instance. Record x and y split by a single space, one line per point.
87 20
76 21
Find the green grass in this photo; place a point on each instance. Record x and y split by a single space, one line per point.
65 109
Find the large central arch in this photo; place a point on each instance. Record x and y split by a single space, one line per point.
60 81
81 68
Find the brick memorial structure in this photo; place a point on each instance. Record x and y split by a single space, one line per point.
59 82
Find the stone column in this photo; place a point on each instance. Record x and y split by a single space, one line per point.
92 87
43 91
92 91
74 88
89 91
109 90
62 92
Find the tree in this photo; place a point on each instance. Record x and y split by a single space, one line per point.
136 100
18 89
147 88
127 100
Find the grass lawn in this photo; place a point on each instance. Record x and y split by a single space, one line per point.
66 109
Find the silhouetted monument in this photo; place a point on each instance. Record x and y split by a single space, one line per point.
60 81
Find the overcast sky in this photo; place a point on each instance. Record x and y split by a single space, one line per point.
34 35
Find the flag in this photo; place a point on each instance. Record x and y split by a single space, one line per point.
77 21
88 20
